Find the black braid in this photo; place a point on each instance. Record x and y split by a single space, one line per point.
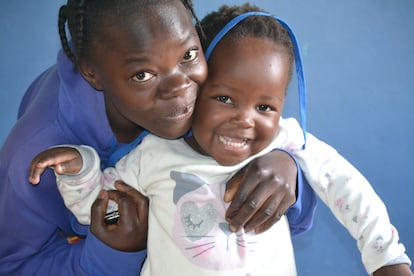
62 32
256 26
79 27
189 6
83 17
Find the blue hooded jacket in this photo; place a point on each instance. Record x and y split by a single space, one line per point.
60 107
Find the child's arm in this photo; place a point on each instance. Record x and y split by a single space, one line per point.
79 191
78 176
354 203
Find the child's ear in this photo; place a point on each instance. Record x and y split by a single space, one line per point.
89 73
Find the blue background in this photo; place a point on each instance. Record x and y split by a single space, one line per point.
358 57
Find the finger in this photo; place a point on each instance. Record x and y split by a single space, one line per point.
122 186
38 165
233 185
267 212
35 172
68 160
98 212
137 197
246 187
268 224
250 209
62 159
271 212
262 204
126 206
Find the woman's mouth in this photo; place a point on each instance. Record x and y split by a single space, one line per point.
181 114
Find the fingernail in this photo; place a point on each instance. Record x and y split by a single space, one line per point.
229 216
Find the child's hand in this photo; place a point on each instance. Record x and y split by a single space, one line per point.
262 192
64 160
130 232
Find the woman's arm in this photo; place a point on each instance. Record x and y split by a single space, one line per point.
35 234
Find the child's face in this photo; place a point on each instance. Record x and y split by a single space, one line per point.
150 66
239 107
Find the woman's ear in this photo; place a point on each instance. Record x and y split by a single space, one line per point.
89 73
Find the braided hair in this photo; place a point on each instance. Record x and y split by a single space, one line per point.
84 17
255 26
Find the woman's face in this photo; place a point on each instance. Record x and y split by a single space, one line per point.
149 67
240 104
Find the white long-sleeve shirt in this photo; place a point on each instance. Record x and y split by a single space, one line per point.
158 166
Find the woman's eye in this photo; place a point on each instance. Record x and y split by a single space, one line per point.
264 107
224 99
142 77
191 55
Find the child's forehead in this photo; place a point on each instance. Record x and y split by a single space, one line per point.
249 44
250 62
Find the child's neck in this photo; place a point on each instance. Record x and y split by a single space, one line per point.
191 141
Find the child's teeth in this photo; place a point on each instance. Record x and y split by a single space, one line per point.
232 142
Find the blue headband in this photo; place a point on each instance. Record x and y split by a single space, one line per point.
296 50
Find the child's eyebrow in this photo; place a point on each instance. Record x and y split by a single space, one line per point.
221 86
272 98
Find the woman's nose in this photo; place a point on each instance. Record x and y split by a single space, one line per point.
174 85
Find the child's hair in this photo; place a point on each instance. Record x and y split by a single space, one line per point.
84 17
256 26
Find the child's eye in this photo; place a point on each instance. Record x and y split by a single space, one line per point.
224 99
190 55
142 76
264 107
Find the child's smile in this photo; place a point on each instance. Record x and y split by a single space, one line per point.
239 106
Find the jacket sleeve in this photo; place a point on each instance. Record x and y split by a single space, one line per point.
300 215
110 262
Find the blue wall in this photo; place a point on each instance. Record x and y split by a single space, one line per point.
358 58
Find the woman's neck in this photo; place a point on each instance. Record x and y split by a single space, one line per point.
127 136
124 130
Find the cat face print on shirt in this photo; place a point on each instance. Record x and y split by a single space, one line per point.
200 229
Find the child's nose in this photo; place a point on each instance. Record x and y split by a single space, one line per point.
244 118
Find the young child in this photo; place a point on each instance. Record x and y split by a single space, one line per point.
237 117
127 68
346 192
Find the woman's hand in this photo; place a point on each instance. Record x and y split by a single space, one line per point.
130 232
262 192
63 160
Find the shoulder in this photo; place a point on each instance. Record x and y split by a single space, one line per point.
156 143
290 135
